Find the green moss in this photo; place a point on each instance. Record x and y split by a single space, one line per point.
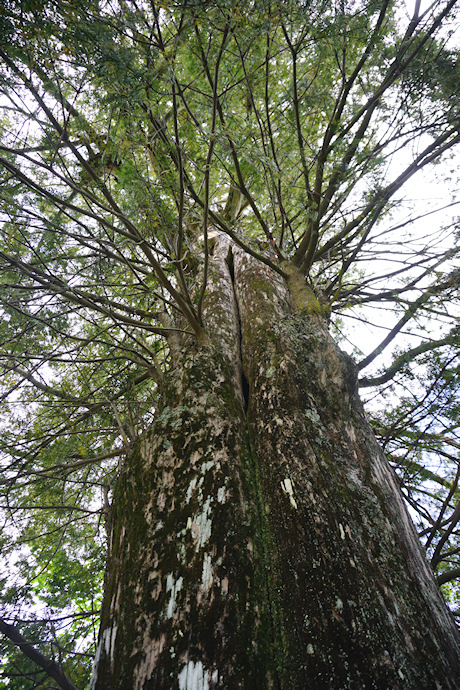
274 633
202 414
303 299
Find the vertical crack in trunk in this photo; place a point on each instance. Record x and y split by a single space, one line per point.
274 620
244 379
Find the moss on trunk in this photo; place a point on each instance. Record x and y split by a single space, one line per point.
186 584
356 601
259 539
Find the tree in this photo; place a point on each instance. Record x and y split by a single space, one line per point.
194 198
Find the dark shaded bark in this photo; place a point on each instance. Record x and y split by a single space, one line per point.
356 601
259 538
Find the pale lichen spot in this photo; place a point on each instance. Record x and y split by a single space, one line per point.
109 641
286 485
221 494
193 676
202 524
115 602
313 415
206 576
106 644
339 604
174 587
190 490
182 553
310 649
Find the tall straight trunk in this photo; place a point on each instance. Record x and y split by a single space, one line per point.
259 538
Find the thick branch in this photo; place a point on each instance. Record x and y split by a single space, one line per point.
448 576
48 665
434 290
405 358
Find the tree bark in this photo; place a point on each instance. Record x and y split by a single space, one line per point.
259 538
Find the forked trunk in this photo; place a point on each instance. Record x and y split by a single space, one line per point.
259 538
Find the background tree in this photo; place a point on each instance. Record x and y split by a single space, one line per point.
195 197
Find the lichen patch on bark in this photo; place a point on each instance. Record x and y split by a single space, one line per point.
194 677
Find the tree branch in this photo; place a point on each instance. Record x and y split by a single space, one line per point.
434 290
48 665
405 358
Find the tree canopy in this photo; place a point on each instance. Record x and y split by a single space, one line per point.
132 133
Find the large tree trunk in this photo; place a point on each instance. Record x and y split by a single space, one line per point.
259 538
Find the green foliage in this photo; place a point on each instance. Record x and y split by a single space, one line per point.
419 432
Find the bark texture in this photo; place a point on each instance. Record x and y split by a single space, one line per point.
259 539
